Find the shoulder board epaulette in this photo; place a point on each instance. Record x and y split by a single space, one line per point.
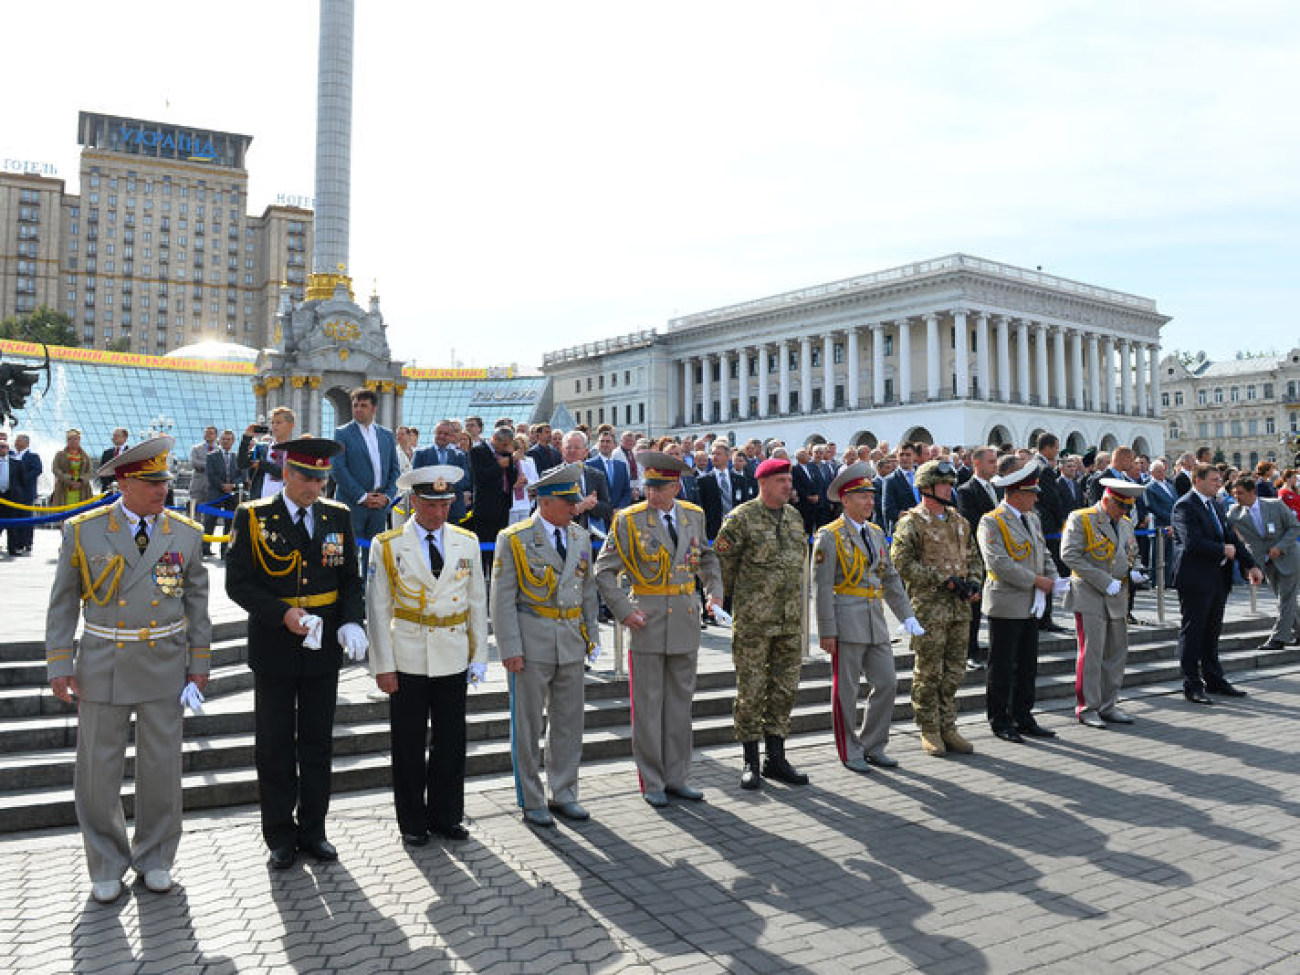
636 509
462 531
263 502
833 526
691 507
87 515
518 526
330 502
186 521
387 536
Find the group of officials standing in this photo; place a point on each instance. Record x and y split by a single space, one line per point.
135 571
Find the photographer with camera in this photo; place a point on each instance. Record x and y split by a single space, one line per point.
934 551
493 471
258 456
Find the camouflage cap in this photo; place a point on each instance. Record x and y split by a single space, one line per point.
934 472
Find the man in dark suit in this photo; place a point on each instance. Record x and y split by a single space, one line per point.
1186 465
900 492
494 472
1069 485
1159 498
263 464
224 478
744 486
974 500
13 487
1051 514
443 451
808 489
543 454
20 538
293 567
365 473
593 512
717 489
614 469
1206 550
120 436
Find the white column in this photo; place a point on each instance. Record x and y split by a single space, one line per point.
985 381
961 353
1040 363
878 364
1022 361
805 374
1094 373
1140 376
828 371
933 357
706 388
851 355
762 381
724 387
688 392
1060 395
1076 370
1004 359
904 351
1108 372
783 371
742 383
1126 376
674 393
1153 364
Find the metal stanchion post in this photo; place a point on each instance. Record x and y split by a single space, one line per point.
1159 540
620 669
1254 611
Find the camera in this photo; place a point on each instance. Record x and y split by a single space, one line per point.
261 428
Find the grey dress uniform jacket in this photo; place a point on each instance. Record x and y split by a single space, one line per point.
1014 554
546 611
147 627
1281 530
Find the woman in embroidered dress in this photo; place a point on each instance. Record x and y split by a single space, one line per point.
72 473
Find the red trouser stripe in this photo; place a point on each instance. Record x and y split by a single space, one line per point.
837 719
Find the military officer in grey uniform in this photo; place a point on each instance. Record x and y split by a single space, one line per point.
544 614
852 573
1098 548
1269 530
1019 574
660 546
136 572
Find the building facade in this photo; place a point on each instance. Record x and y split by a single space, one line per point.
958 350
1245 410
158 250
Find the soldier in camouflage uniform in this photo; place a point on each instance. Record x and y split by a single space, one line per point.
934 551
764 555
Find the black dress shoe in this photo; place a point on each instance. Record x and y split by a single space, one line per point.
1271 645
1052 628
1196 697
415 839
1010 734
456 831
1036 730
1225 690
283 857
320 849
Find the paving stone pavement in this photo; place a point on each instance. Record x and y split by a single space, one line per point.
1168 847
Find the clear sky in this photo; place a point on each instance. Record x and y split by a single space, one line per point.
528 176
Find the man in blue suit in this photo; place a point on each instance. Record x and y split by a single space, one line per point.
365 472
614 469
1206 552
22 536
900 492
443 451
1159 498
13 487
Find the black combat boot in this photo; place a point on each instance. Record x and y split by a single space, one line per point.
749 777
776 767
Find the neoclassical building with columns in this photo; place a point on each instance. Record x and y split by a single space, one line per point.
957 350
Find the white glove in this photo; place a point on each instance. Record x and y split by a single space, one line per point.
1040 603
477 673
192 698
314 626
1114 587
912 627
1136 577
720 615
1061 586
593 653
352 639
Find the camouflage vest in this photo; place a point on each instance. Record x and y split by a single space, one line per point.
944 544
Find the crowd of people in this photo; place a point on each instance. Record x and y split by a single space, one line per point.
368 545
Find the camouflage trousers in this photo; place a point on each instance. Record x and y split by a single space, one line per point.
938 670
767 682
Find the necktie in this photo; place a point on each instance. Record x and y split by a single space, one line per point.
1259 518
866 540
1214 517
142 536
560 546
609 470
672 532
435 556
300 519
631 464
726 487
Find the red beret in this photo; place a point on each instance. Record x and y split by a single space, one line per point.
773 465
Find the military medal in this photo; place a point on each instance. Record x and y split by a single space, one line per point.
167 573
331 550
462 568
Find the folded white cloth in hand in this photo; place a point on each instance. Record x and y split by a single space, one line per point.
192 698
477 673
1114 587
352 639
1061 586
315 625
720 615
593 653
1136 577
1040 603
912 627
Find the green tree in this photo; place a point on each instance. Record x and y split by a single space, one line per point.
43 325
122 344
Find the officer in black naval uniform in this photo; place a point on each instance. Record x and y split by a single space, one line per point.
293 566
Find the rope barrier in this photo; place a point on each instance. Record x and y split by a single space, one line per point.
87 504
62 514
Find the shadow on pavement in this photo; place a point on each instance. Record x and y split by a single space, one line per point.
100 941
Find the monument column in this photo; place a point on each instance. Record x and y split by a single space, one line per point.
904 360
742 383
933 357
724 387
851 355
1140 376
1040 367
878 364
1060 393
983 381
805 374
1108 372
1125 377
706 388
1094 373
1076 369
1023 385
1004 358
961 353
762 354
1153 363
783 373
